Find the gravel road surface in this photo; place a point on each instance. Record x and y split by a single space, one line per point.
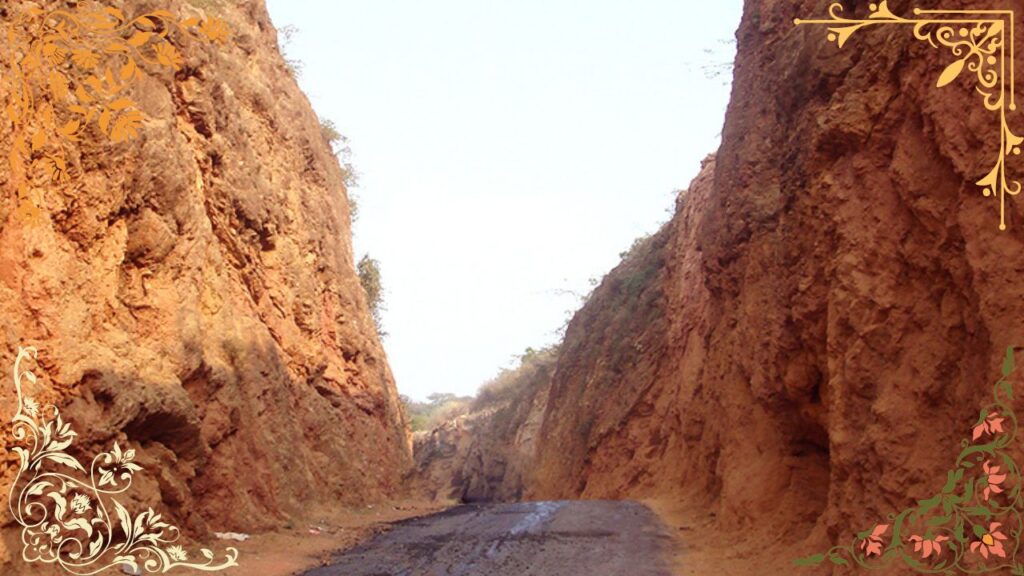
568 538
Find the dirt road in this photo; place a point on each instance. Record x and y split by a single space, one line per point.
591 538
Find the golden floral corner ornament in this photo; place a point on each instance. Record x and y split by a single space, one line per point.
70 517
978 39
68 73
973 526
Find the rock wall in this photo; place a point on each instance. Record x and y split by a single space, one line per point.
488 454
194 297
622 384
831 283
803 347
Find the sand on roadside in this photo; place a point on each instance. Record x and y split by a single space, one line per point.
702 548
300 547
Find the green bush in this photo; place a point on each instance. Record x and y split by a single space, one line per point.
438 408
534 369
330 132
369 276
637 245
339 145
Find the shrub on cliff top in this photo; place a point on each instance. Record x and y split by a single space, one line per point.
535 367
439 408
339 145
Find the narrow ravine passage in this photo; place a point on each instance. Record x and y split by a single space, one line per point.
597 538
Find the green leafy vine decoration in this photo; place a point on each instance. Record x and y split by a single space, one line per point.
973 525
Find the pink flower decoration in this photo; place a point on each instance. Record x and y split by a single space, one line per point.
992 424
872 545
991 543
928 547
994 479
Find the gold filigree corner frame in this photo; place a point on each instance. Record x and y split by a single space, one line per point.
68 72
978 39
69 514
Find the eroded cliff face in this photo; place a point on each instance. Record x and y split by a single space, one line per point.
835 282
803 347
623 382
194 297
489 453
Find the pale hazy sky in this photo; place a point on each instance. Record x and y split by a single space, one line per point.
508 151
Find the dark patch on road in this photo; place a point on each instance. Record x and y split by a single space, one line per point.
565 538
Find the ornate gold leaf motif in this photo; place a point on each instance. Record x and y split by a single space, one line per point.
69 69
65 509
982 42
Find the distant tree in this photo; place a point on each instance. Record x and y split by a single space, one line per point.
438 409
438 398
534 368
369 277
528 355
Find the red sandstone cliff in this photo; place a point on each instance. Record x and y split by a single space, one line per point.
801 349
488 454
195 298
834 301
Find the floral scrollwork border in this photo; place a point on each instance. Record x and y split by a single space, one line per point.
973 525
978 41
69 73
69 514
